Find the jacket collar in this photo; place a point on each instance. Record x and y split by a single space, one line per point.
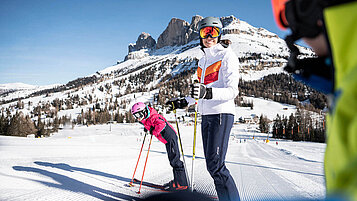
212 51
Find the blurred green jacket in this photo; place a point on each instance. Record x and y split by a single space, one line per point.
341 150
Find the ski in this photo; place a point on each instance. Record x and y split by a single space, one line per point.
148 186
160 188
151 185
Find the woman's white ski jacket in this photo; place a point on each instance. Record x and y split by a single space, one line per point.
219 69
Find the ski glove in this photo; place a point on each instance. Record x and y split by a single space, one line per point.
178 103
199 91
145 130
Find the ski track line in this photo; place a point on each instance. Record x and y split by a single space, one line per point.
251 188
51 194
268 173
309 179
271 186
203 182
289 177
250 183
245 180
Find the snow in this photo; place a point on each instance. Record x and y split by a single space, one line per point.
268 108
17 85
257 75
94 163
22 90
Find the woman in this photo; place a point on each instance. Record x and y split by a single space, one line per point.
217 74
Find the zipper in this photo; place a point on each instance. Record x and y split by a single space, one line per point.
204 70
203 78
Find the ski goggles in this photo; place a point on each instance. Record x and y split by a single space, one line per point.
214 32
139 115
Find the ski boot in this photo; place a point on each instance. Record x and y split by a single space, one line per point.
172 186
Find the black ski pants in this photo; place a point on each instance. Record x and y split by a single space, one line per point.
215 136
173 154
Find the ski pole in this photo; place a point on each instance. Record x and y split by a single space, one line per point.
147 155
194 146
142 145
183 155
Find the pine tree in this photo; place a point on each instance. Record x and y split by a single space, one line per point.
263 124
21 126
285 125
278 127
40 127
56 124
14 126
4 124
290 127
27 126
129 118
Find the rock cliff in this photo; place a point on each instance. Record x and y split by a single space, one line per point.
144 41
179 32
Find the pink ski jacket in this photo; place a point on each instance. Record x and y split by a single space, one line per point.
157 122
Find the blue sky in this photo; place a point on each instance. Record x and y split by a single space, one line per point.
55 41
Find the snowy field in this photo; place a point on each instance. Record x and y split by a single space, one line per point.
94 163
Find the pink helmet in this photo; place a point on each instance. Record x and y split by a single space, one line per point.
137 107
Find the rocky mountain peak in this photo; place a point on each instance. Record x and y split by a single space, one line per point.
174 34
179 32
193 30
194 22
144 41
229 20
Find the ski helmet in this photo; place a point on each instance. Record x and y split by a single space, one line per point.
139 110
137 107
210 22
301 16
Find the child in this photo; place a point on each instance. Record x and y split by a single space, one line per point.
158 126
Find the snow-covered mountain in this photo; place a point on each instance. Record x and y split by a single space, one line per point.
19 90
11 87
149 66
258 49
16 86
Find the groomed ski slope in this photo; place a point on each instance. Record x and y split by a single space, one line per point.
94 163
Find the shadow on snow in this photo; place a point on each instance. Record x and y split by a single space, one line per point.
66 183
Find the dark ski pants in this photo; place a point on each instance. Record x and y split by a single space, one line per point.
215 136
173 154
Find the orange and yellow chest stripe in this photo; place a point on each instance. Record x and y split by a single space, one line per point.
211 73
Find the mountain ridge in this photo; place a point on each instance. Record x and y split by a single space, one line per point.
156 76
230 24
260 53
